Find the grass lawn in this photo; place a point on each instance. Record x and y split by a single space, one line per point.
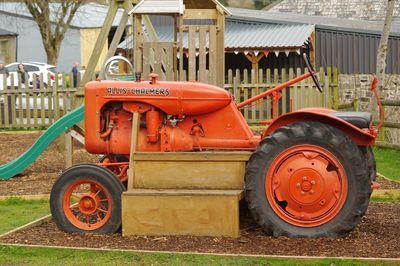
388 162
48 256
16 212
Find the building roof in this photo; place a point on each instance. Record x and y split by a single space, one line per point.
158 7
320 22
90 15
242 36
4 32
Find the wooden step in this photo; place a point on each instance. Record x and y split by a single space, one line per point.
190 170
181 212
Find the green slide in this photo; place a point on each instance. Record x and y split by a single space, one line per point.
16 166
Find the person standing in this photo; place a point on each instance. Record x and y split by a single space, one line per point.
22 73
3 75
75 74
3 69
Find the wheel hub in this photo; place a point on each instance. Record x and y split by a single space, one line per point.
305 186
88 204
308 186
93 207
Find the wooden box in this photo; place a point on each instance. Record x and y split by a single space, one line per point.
181 212
189 170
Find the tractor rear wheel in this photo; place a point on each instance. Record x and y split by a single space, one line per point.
307 179
371 163
86 198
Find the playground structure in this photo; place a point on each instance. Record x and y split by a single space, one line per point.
309 174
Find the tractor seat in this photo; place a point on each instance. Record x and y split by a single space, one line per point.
358 119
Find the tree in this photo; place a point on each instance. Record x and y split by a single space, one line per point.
383 45
53 19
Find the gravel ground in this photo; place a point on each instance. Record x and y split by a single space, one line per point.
376 236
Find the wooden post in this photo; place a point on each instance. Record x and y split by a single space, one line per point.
68 150
117 36
220 49
255 59
180 45
101 41
312 49
134 139
138 43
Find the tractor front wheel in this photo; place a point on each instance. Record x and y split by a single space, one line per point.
86 198
307 179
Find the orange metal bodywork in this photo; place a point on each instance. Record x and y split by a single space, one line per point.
359 136
188 116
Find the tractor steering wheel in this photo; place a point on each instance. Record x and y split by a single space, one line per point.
312 72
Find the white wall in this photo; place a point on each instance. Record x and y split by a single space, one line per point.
30 46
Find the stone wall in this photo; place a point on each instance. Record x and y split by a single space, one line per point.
348 9
358 87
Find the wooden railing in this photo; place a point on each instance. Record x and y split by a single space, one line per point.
34 104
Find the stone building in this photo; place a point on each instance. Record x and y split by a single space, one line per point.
348 9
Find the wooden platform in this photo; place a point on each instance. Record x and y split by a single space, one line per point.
189 170
182 193
181 212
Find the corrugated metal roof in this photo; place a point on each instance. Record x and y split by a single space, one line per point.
361 26
158 7
90 15
4 32
244 35
241 35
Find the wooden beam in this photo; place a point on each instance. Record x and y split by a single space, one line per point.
220 50
200 14
138 43
180 47
134 139
69 151
101 41
312 48
116 39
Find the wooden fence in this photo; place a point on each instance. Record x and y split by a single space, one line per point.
246 84
35 104
39 103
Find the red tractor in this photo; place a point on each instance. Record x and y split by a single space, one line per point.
310 174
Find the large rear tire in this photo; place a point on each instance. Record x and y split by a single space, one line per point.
86 198
307 179
371 163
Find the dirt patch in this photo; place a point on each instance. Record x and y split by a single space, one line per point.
39 177
387 184
376 236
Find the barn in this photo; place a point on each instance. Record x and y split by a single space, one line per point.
8 46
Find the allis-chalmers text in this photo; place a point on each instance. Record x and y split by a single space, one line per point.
138 91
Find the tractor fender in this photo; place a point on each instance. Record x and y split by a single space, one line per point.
323 115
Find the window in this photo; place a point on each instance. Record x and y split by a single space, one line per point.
52 69
13 68
30 68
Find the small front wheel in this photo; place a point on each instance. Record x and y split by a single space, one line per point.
86 198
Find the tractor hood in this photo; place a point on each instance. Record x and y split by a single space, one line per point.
174 98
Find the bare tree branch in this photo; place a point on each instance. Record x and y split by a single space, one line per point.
52 23
382 52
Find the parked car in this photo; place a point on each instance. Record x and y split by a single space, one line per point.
34 68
